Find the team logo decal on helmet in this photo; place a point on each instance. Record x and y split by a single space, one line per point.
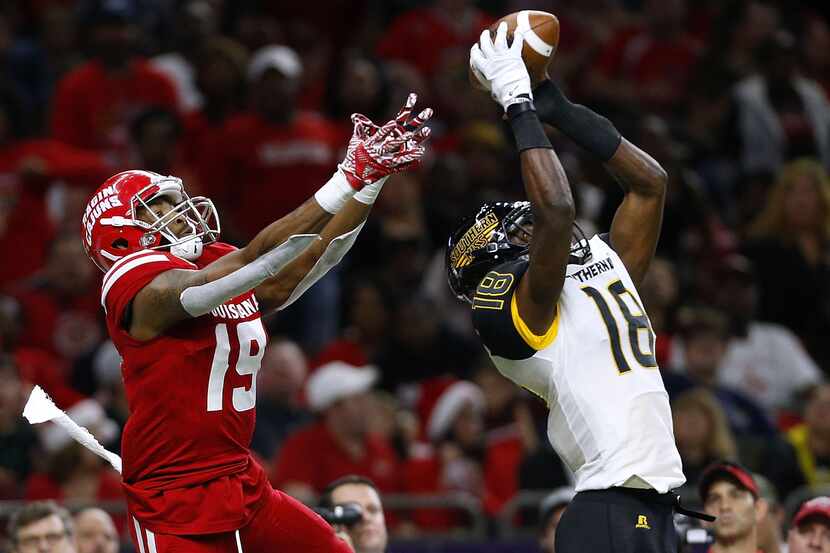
474 238
497 233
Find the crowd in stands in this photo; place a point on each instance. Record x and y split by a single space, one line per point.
376 371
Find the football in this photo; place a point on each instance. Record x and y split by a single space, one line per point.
541 35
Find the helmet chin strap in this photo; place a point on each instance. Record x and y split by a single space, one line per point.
190 250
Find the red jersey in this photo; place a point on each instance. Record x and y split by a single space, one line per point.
192 394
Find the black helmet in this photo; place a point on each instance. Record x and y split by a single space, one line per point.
490 238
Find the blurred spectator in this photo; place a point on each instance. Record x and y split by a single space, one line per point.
769 528
705 339
357 84
28 168
763 360
17 440
509 435
42 526
550 513
421 346
95 531
423 35
61 304
74 473
781 115
367 319
741 27
454 459
659 292
586 27
369 534
810 528
35 365
811 439
95 102
220 79
701 432
815 51
35 64
279 384
194 23
156 138
788 247
730 493
339 441
277 156
649 65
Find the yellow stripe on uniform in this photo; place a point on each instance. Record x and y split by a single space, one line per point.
537 342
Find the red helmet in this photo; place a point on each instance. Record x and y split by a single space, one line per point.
110 228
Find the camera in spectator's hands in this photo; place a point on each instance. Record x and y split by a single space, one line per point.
347 514
692 535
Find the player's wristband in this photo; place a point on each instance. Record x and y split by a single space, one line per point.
335 193
588 129
526 127
369 193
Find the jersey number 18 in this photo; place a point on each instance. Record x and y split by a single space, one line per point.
635 323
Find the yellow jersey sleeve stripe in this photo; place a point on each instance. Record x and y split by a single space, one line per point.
537 342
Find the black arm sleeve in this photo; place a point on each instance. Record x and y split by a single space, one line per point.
492 316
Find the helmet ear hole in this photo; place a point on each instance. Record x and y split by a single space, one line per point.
121 244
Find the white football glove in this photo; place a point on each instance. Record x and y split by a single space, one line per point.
502 67
377 152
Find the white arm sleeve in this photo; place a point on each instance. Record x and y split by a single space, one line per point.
334 253
198 300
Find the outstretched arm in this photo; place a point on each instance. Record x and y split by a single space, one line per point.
636 225
544 178
274 264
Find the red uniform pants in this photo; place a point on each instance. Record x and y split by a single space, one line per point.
282 525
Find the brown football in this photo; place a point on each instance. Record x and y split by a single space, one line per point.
541 34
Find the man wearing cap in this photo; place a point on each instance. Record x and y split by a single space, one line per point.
730 493
94 102
339 443
810 530
550 513
277 154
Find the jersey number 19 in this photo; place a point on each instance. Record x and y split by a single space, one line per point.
251 339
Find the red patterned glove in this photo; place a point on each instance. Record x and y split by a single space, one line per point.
376 152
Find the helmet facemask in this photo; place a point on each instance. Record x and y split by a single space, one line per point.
198 215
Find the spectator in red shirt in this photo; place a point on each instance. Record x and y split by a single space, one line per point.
274 155
647 66
453 460
421 36
28 168
35 365
220 78
339 443
94 104
61 304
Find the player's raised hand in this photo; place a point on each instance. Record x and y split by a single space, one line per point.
377 152
501 66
